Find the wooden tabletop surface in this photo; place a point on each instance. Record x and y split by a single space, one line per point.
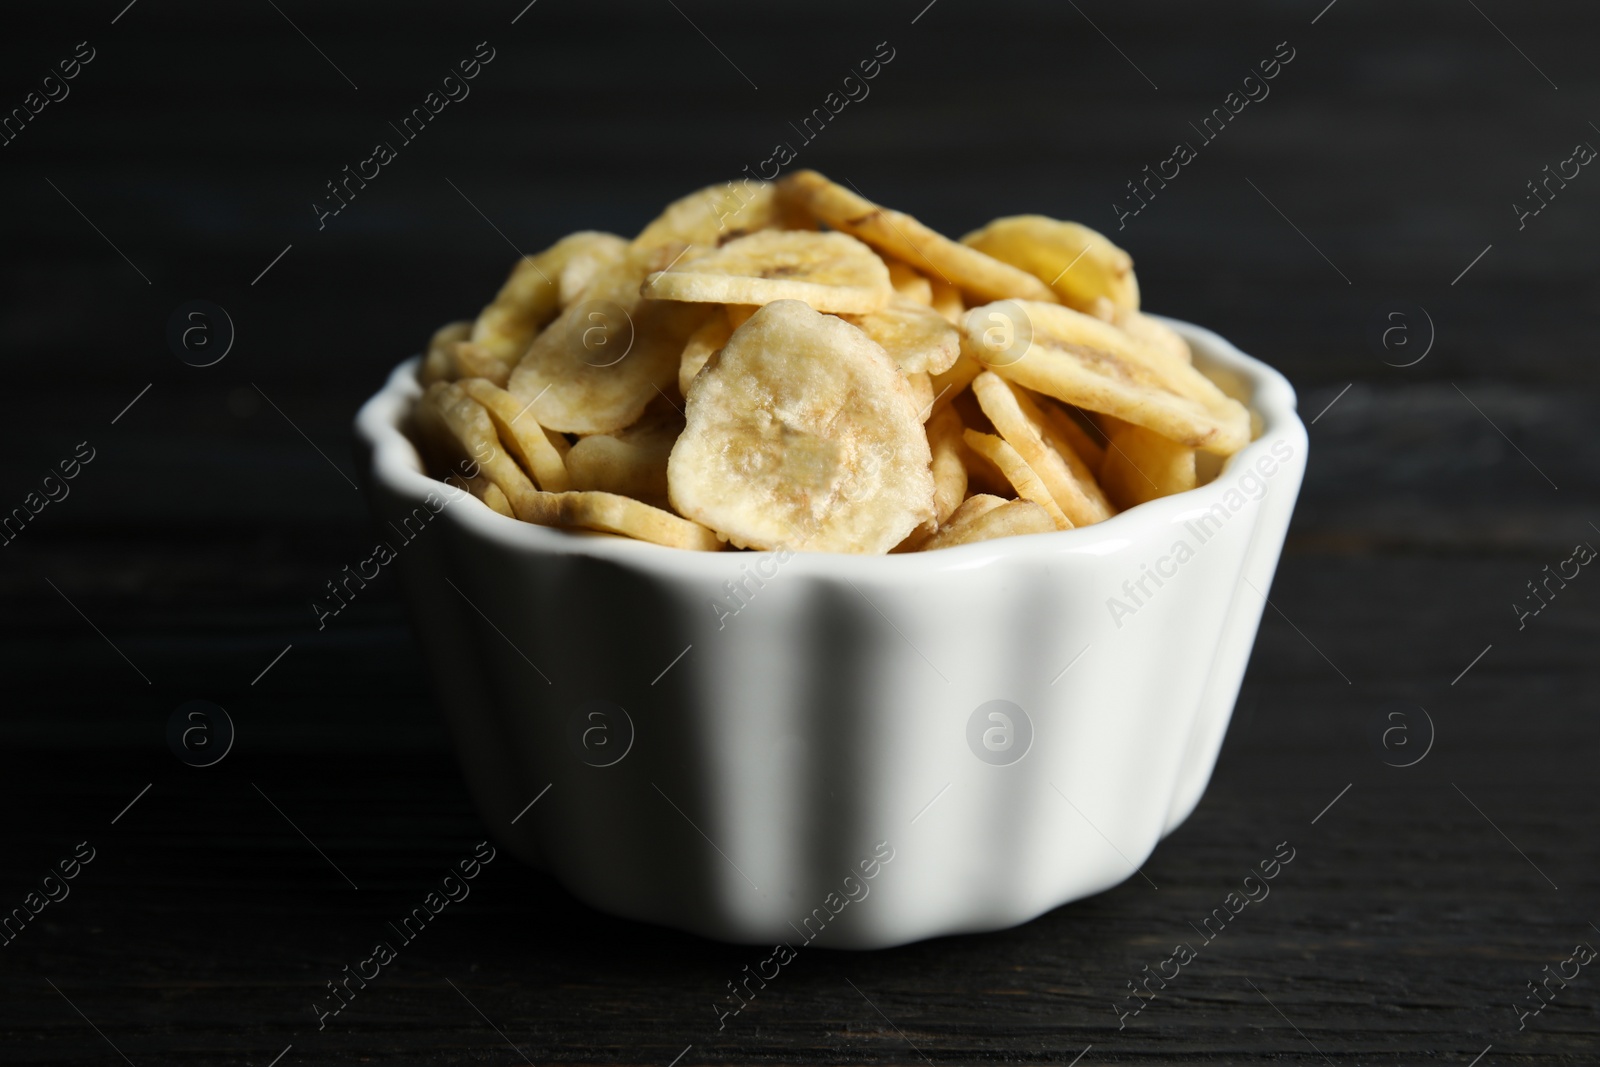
1356 224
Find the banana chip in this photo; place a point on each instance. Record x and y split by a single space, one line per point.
603 359
530 297
975 506
1079 264
632 462
951 383
910 285
1078 359
521 433
1154 333
905 238
484 490
947 301
802 434
950 459
439 364
605 463
558 441
915 336
1022 477
1066 429
921 395
984 476
1022 426
985 518
949 471
661 423
1141 465
717 214
463 430
469 429
711 335
616 514
473 360
585 263
829 271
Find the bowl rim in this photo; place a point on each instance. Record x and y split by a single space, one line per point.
397 466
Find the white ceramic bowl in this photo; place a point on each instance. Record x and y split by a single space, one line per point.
824 765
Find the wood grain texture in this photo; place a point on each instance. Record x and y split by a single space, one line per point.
1386 157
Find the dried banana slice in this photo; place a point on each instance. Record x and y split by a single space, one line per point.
949 470
632 462
947 301
921 395
908 284
950 458
604 358
585 264
460 428
1078 359
531 296
953 382
439 364
484 490
904 238
718 214
1023 426
1142 465
991 519
604 463
802 434
1078 263
616 514
830 271
521 433
1088 446
974 506
449 416
474 361
1153 332
711 335
1022 477
916 337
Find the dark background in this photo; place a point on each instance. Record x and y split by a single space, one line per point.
188 552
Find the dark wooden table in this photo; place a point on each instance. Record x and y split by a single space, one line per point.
1378 177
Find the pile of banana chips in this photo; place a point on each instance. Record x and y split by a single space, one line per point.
788 365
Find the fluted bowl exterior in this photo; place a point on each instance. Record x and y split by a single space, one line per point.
769 746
